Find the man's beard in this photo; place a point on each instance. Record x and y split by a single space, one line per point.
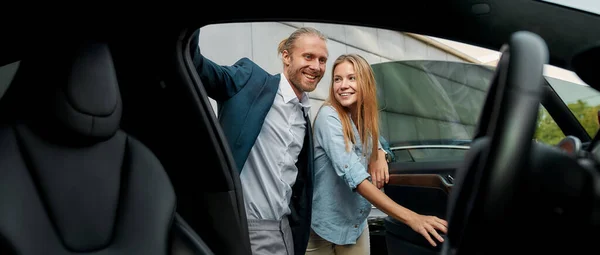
296 76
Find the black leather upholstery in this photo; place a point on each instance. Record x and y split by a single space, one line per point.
72 182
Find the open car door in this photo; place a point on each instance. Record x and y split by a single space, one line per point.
428 112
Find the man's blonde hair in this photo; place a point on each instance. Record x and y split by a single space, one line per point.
287 44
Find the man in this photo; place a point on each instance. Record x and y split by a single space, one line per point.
265 120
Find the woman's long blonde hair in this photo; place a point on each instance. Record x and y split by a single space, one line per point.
367 115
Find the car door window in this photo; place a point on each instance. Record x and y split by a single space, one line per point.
547 130
429 108
581 99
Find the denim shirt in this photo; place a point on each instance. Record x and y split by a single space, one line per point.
339 212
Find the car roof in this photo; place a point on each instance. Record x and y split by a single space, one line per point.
485 23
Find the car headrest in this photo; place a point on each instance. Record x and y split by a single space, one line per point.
70 92
89 103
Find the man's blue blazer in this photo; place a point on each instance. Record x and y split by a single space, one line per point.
244 93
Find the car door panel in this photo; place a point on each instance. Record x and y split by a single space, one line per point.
422 187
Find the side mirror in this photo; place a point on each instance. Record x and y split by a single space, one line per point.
571 145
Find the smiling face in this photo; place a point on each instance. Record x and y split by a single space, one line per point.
305 65
353 90
345 87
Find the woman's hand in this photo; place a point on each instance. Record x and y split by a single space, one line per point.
379 170
427 225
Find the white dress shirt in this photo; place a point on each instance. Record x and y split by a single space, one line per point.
270 170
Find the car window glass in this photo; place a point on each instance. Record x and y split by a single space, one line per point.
582 100
547 130
429 108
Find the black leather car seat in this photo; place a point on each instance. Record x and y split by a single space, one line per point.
72 182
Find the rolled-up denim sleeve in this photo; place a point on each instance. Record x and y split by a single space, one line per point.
329 134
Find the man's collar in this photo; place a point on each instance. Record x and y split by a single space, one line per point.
289 95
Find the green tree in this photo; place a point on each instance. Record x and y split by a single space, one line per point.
548 131
586 115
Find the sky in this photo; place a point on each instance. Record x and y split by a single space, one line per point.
592 6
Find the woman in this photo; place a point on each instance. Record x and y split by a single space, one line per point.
345 129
